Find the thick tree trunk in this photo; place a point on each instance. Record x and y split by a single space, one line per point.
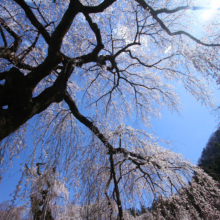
17 105
15 102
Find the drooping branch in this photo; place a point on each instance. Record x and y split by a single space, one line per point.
73 108
139 162
171 11
116 188
153 177
182 33
161 23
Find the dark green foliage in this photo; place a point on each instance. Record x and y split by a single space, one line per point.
210 158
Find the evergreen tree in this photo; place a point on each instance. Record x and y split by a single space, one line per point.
210 158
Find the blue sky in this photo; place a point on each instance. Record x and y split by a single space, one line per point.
188 132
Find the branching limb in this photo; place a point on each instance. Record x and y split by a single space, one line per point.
3 37
63 27
97 33
43 70
30 48
99 8
149 65
34 20
9 53
17 38
54 41
56 91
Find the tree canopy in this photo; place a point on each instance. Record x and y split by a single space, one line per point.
74 73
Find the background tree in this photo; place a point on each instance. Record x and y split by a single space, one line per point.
8 211
210 158
45 192
191 202
85 68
